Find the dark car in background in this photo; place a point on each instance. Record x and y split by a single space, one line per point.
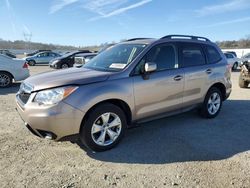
7 53
83 58
67 60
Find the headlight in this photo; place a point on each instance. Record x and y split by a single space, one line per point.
54 62
54 96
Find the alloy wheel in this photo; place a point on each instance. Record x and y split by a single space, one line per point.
214 103
106 129
5 80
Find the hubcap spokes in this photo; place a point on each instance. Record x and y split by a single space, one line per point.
64 66
214 103
106 129
4 80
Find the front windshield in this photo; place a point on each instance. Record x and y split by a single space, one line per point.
115 58
68 54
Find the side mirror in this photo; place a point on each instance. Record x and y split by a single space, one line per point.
79 61
150 67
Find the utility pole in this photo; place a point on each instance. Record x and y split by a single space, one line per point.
27 37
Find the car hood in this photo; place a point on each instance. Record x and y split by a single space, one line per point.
71 76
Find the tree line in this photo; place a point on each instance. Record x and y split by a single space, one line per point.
23 45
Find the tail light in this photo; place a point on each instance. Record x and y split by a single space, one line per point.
229 67
25 65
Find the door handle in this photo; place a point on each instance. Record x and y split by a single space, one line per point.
209 71
178 78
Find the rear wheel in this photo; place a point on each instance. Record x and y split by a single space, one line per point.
5 79
103 128
212 103
32 63
243 83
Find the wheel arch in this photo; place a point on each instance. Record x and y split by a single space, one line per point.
8 73
222 89
118 102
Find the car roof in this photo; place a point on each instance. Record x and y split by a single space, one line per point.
86 54
175 38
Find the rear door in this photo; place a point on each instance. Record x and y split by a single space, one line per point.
163 90
193 62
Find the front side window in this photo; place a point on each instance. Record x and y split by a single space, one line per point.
191 55
115 58
163 56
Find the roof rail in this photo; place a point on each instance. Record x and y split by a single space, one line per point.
137 39
186 37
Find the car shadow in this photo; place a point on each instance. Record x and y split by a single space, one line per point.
10 90
185 137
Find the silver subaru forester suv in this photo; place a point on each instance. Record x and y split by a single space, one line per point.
134 81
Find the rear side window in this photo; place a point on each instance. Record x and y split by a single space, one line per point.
213 55
191 55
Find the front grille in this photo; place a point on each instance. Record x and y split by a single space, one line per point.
24 97
24 92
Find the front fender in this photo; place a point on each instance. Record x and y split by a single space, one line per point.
88 96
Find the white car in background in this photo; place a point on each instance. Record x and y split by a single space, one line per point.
232 60
246 58
12 69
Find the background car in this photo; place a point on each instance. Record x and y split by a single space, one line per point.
7 53
83 58
246 58
10 69
232 52
232 60
36 52
67 60
42 58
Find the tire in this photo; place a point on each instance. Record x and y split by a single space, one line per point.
32 63
95 133
211 106
64 66
6 80
235 66
242 83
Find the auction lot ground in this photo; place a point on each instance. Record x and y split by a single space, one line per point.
180 151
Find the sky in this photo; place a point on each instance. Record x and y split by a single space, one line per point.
92 22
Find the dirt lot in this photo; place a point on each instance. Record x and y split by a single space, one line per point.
181 151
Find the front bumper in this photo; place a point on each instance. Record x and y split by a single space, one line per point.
59 121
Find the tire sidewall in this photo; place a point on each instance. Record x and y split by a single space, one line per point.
85 132
64 64
205 111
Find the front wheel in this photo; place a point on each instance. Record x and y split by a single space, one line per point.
103 128
212 103
64 66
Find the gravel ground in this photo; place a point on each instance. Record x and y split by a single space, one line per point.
180 151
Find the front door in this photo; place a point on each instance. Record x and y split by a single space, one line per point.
162 91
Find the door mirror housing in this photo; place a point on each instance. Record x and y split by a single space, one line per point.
150 67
